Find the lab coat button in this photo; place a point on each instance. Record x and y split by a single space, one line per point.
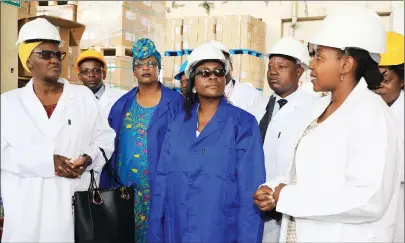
190 184
194 151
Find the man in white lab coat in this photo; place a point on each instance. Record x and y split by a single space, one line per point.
92 67
51 135
242 95
281 114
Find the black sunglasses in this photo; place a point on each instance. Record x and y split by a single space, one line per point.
48 55
207 73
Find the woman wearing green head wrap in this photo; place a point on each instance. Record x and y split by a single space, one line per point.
140 120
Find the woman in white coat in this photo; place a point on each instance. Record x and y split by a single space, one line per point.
391 90
51 135
343 185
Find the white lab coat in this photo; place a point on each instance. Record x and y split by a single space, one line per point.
279 149
397 110
347 174
38 204
244 96
108 99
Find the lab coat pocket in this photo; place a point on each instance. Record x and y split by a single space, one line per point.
226 165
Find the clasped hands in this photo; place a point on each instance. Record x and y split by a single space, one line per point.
265 199
65 167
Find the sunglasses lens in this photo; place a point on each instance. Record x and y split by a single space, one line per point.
47 55
60 55
206 73
219 73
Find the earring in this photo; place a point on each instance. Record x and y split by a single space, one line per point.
194 91
341 77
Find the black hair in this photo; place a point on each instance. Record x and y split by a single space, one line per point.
398 70
91 59
367 68
190 98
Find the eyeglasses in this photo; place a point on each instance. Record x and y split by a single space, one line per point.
207 73
87 72
150 64
48 55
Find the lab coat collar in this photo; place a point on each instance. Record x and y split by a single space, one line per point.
105 98
216 122
28 90
35 108
292 104
353 97
289 97
162 107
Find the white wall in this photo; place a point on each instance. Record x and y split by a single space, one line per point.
274 14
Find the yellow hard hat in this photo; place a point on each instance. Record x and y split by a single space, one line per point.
90 54
394 54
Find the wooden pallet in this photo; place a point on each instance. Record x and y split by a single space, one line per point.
109 51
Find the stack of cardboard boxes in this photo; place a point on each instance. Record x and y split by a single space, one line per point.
27 9
235 31
244 32
63 9
117 25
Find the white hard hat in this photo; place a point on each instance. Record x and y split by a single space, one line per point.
39 28
352 26
205 52
220 46
293 48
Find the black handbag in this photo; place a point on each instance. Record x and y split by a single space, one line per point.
105 216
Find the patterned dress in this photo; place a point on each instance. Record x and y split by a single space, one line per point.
133 163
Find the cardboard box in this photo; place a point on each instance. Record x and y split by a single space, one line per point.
240 31
119 73
28 9
70 33
73 75
168 68
206 30
177 65
141 5
121 23
173 34
68 12
174 29
190 32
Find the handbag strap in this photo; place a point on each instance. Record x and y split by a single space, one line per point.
110 170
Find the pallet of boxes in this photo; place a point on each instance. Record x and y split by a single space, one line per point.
71 33
113 28
244 35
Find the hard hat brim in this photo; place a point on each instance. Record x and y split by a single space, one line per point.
179 75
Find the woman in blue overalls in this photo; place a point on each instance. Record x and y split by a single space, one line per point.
203 189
